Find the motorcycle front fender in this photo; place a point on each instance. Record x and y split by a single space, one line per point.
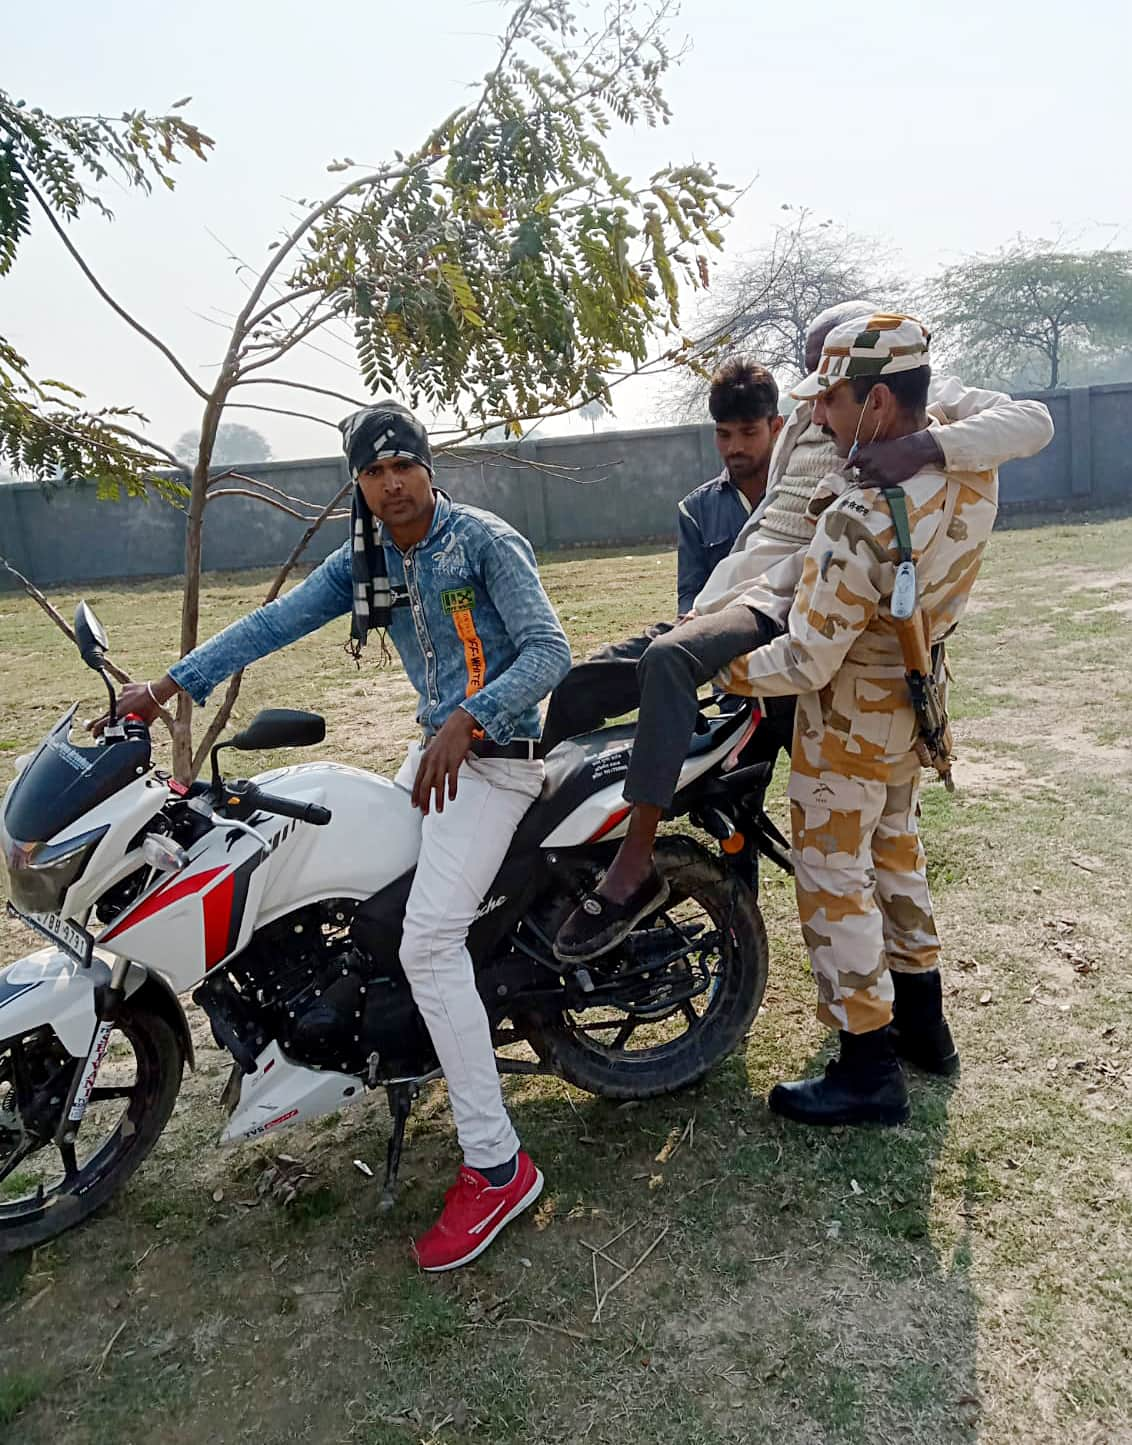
49 988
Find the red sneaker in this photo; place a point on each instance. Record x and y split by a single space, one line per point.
473 1215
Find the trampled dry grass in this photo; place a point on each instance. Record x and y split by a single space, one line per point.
966 1278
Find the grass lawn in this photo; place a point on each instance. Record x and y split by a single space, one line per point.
965 1278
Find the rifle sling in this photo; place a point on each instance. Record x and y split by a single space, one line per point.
898 506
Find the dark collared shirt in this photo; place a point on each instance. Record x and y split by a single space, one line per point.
710 518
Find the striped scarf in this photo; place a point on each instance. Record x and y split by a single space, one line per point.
374 597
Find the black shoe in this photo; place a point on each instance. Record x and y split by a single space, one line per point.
920 1034
599 924
864 1086
930 1048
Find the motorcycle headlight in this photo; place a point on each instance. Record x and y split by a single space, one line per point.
39 874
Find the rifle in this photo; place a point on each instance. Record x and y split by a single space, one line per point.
934 744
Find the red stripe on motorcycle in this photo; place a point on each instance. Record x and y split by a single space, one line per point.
217 911
171 892
610 823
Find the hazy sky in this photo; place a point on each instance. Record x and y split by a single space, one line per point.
940 128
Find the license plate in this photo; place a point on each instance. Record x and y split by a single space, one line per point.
69 936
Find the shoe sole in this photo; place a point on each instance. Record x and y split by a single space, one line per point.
886 1118
528 1199
628 924
942 1068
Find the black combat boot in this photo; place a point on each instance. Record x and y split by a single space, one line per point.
920 1034
864 1086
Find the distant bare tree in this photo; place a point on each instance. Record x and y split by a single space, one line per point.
1027 309
763 306
235 444
592 411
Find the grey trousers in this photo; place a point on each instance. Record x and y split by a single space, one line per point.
671 671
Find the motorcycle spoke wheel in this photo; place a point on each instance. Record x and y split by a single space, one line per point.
676 997
48 1182
57 1168
618 1031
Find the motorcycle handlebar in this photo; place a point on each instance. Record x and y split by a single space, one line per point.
287 807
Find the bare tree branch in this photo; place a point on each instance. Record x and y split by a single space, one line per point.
120 310
259 497
60 622
232 692
279 411
302 386
292 298
259 482
297 233
286 345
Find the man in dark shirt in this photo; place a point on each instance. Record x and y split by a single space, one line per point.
743 403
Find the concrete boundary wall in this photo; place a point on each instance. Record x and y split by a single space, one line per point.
607 489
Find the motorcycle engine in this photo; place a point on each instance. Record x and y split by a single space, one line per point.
303 982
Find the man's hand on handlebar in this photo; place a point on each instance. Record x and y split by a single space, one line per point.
136 698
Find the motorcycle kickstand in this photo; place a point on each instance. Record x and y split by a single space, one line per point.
401 1098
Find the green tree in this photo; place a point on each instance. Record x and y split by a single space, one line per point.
234 445
1026 310
57 166
499 271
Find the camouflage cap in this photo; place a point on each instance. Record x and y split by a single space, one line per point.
870 346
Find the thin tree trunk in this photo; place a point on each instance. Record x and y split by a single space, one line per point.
190 600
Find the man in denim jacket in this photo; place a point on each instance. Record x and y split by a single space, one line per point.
458 591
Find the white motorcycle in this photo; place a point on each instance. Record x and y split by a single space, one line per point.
278 902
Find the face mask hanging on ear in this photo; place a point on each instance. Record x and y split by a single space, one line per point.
856 447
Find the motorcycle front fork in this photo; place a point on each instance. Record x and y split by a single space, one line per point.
107 1004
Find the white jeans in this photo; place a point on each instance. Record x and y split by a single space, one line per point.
461 850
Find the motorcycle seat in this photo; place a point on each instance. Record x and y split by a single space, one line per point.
580 766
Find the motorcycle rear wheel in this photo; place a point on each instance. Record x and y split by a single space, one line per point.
123 1122
594 1048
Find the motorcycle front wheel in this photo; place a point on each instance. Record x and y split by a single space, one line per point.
656 1030
47 1187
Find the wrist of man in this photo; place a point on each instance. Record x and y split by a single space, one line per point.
929 443
463 719
163 690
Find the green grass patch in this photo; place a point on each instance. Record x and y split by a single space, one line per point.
18 1390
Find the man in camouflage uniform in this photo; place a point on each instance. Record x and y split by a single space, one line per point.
970 430
981 430
860 873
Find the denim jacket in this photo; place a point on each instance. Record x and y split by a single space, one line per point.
478 631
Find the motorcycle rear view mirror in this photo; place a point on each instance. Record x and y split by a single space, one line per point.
91 637
280 727
274 727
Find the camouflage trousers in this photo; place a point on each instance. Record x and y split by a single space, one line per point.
861 884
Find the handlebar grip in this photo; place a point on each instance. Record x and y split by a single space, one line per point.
288 808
